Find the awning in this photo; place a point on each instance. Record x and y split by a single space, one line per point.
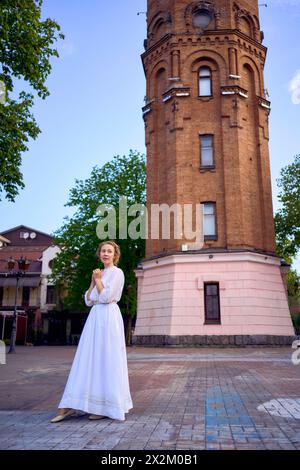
23 282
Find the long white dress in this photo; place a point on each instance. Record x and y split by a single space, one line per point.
98 380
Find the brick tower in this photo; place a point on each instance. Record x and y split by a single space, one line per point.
206 120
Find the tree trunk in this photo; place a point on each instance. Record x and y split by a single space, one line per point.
128 330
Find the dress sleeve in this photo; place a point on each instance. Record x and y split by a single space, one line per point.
113 287
88 303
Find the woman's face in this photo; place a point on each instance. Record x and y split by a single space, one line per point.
107 254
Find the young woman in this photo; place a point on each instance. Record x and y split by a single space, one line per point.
98 381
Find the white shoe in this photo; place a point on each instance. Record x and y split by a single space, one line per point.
96 417
61 417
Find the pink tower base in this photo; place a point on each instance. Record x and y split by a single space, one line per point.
253 300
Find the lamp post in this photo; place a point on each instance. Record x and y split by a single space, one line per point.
23 265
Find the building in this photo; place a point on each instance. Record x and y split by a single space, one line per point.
207 135
35 293
41 317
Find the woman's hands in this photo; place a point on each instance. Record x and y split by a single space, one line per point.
97 278
95 281
97 274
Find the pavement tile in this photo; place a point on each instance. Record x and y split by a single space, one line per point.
184 399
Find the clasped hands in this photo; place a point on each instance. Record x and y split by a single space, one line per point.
97 274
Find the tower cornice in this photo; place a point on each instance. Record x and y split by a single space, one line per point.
218 32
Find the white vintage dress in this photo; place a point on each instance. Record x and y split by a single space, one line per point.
98 380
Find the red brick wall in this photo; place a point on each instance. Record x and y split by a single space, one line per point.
240 184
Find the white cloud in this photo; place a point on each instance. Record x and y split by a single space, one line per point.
294 88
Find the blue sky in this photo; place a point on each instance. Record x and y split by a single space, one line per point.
97 88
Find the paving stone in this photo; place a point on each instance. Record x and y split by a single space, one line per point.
184 399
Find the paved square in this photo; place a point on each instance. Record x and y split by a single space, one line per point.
202 398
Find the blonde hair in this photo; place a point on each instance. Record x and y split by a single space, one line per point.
116 248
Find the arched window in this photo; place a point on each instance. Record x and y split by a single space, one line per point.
160 83
246 27
205 82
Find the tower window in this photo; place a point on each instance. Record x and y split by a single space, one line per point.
206 151
205 82
209 223
202 18
51 295
212 303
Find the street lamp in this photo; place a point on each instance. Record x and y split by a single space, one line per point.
23 265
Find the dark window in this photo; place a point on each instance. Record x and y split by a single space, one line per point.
51 295
205 82
25 296
212 303
1 295
206 151
209 223
201 18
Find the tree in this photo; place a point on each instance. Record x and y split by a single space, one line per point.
287 218
25 52
123 176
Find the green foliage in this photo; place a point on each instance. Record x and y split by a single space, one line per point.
287 219
296 323
123 176
17 126
293 284
25 52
